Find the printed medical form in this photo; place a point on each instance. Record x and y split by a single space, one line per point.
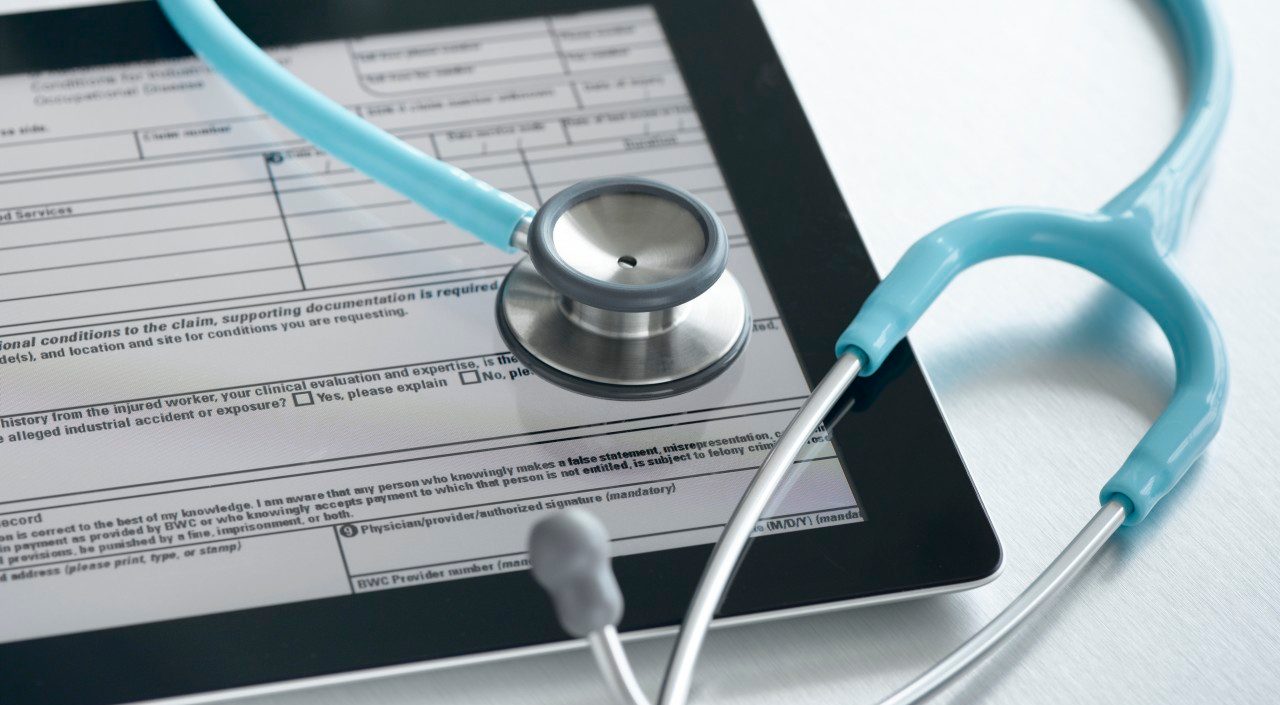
235 373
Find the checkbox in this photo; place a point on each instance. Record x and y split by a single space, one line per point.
303 399
470 377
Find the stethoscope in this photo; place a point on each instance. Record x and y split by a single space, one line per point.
624 294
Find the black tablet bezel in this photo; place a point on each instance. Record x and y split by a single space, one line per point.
925 526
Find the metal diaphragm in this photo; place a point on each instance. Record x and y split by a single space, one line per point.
625 294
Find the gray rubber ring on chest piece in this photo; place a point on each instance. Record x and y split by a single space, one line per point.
629 297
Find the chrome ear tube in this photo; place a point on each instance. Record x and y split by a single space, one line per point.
624 294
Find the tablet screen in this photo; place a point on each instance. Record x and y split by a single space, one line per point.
236 373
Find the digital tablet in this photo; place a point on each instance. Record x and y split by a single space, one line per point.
257 424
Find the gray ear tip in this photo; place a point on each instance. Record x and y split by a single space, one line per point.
569 557
566 544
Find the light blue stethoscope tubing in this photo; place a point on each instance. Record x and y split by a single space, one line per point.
1127 243
449 192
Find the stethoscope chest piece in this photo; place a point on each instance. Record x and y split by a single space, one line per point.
624 294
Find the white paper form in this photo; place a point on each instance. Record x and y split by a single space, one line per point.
236 373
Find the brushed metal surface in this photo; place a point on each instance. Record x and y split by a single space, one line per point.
928 109
622 324
570 338
629 238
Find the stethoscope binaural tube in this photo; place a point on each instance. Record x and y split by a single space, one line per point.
1126 243
625 293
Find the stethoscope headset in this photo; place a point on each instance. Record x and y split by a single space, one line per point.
624 295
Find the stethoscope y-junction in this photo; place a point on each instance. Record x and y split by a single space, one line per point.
624 294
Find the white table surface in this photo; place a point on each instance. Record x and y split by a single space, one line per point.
928 109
